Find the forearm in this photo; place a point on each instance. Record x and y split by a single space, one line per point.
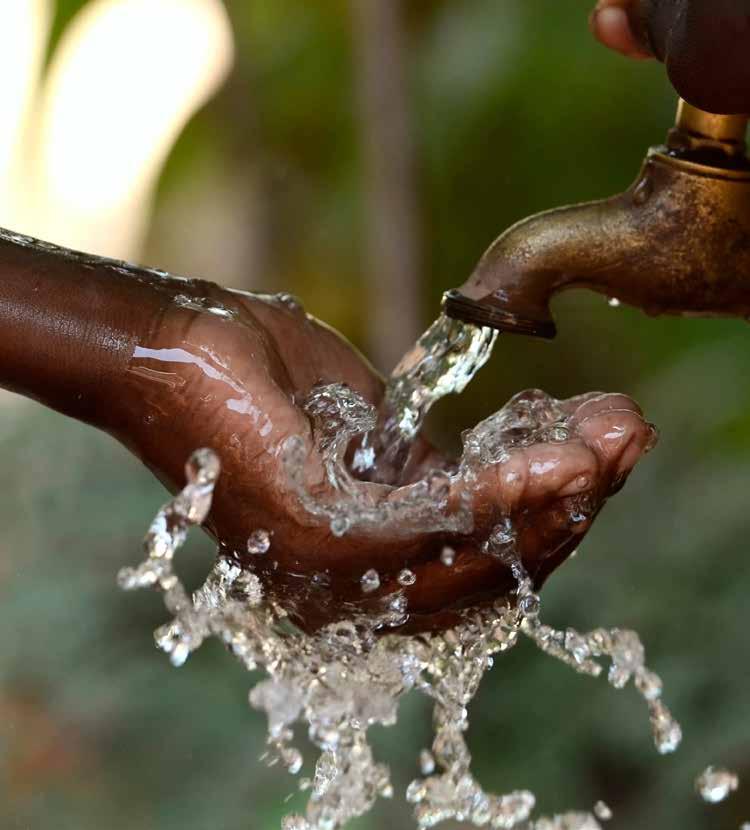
69 325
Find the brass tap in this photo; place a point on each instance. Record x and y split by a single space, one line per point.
676 242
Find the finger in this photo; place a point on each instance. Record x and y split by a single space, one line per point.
611 24
595 402
614 429
531 478
553 491
608 435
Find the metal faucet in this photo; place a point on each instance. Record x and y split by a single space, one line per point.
676 242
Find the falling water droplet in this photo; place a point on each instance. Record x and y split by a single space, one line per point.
530 605
415 792
406 577
666 730
426 762
294 822
370 581
364 459
320 579
179 654
259 542
448 556
397 610
293 760
602 811
340 525
648 684
202 467
715 784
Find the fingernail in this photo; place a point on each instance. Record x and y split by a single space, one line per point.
611 26
608 19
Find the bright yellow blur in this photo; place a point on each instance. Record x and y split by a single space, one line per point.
123 82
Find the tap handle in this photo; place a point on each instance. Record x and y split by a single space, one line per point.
705 46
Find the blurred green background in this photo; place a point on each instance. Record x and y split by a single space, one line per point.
507 107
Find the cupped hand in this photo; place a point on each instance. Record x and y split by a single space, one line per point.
231 371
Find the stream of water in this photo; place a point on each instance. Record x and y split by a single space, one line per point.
343 679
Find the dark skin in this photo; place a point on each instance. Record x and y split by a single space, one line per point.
703 44
167 366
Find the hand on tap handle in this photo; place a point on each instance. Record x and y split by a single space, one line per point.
704 44
169 365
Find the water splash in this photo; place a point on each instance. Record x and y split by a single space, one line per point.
343 679
351 675
339 415
443 362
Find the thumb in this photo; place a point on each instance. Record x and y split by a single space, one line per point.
616 24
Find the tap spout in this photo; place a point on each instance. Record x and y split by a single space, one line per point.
676 242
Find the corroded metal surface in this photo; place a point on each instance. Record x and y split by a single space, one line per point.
676 242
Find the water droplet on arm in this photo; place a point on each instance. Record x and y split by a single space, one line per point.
370 581
406 577
340 525
448 556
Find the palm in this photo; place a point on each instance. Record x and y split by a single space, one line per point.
236 383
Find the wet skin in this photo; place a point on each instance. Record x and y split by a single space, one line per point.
168 365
